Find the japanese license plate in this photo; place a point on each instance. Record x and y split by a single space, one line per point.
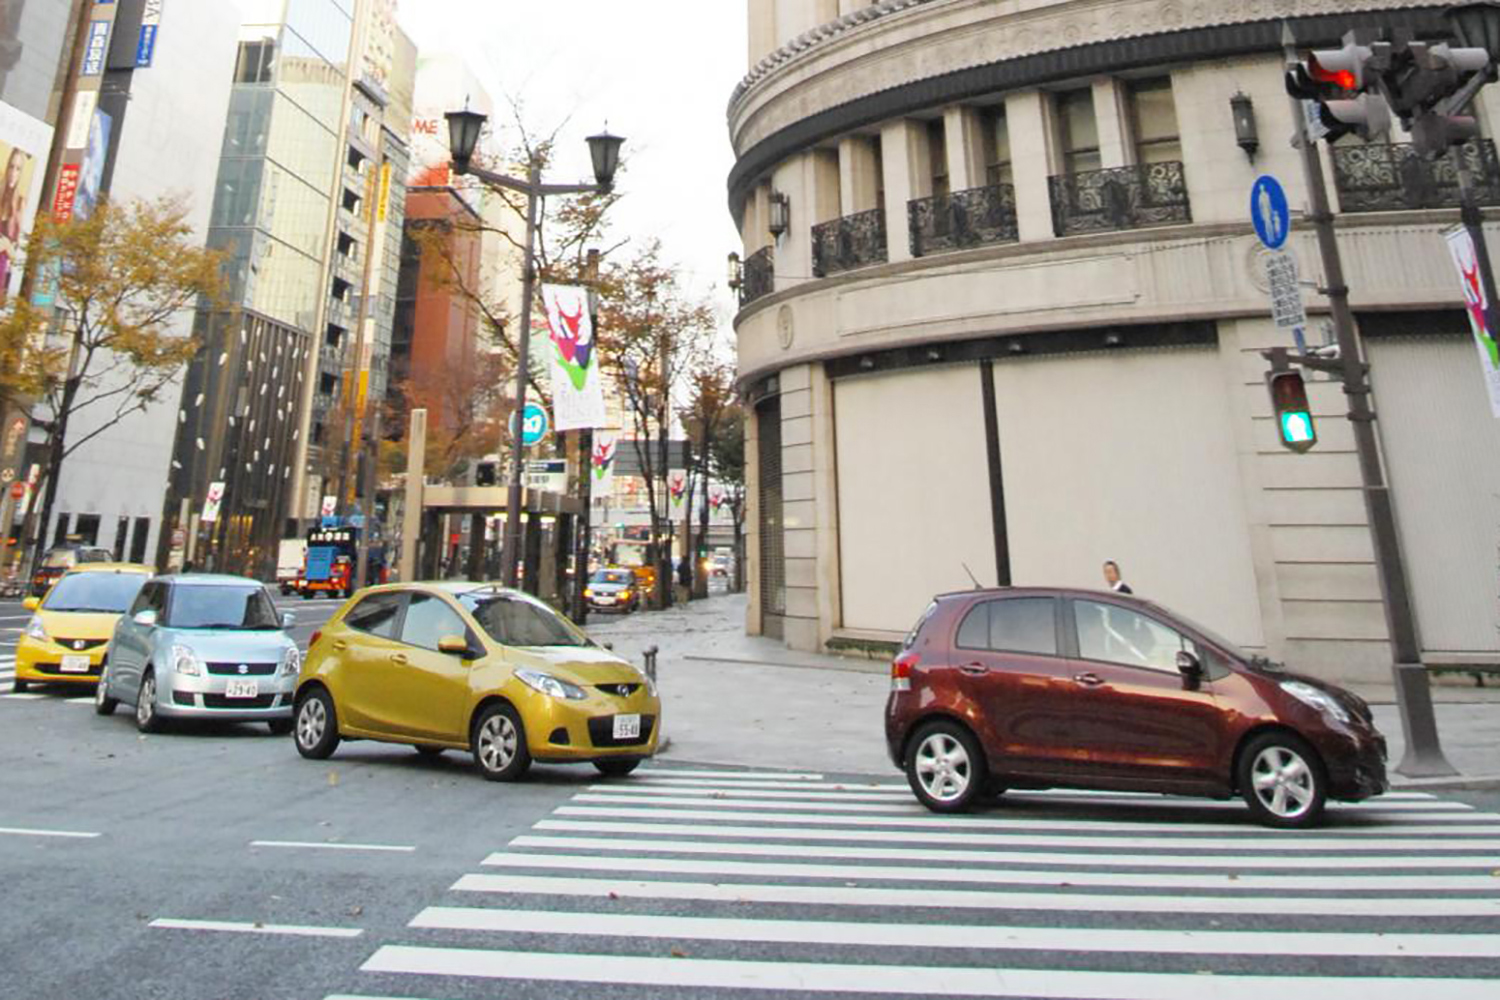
75 664
242 689
604 600
627 727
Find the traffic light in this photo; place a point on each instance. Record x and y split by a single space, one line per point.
487 474
1431 74
1294 420
1343 84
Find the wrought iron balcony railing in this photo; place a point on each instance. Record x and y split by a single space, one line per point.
758 278
963 219
848 243
1134 197
1383 177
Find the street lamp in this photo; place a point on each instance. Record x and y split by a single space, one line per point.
1246 132
464 129
736 272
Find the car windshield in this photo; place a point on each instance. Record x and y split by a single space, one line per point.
613 576
60 558
95 555
1213 637
101 593
512 620
246 608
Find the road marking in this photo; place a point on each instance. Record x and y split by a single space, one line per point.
743 812
313 845
1247 842
15 831
805 977
656 780
902 788
742 775
966 937
22 697
227 927
1480 881
1485 864
976 899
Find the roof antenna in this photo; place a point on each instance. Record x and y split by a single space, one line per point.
977 584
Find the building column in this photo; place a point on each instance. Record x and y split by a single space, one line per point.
753 623
899 151
858 184
809 507
966 166
1031 143
1109 116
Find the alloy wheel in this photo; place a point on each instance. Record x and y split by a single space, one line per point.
145 703
498 741
312 723
1283 782
99 696
943 767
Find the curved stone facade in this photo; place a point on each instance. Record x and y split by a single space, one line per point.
1040 209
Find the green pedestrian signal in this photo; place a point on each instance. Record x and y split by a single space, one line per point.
1294 419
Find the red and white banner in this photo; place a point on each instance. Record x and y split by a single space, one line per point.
577 390
1461 245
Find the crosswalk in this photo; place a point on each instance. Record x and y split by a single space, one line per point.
705 883
7 672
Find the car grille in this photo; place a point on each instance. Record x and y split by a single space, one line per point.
220 701
602 732
619 690
80 645
233 669
56 670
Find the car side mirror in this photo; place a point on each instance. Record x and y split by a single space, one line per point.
1189 665
609 646
288 621
145 619
31 603
455 645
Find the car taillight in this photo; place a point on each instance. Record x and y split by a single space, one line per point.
315 637
901 669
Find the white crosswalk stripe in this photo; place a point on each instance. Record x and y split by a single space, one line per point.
715 883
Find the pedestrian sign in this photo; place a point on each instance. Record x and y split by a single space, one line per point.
1270 212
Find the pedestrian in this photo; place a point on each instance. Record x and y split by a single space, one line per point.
1112 577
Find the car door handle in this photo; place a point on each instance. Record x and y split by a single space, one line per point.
341 645
1088 680
975 669
400 658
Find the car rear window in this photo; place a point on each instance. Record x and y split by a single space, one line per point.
95 555
1013 625
916 630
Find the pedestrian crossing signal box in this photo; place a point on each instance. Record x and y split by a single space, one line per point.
1294 420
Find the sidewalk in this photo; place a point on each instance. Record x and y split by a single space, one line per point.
730 698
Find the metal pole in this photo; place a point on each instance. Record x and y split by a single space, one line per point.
411 519
1424 755
512 553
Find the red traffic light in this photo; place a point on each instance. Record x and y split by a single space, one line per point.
1342 78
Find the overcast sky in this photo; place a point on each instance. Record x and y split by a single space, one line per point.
659 71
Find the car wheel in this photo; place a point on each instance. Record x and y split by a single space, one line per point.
499 744
281 727
1283 781
615 767
428 752
19 686
317 726
146 719
103 703
945 767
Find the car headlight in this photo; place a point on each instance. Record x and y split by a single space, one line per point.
1316 698
625 595
34 629
291 662
186 662
589 592
551 686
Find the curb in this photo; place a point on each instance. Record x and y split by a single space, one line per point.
873 669
1457 783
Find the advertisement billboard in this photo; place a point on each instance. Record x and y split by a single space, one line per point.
24 142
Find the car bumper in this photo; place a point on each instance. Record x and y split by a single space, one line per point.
564 732
1356 764
43 662
207 698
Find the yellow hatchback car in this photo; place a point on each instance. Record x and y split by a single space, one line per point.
68 635
475 667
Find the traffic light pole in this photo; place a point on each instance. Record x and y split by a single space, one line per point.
1424 755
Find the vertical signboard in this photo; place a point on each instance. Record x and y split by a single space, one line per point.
145 48
577 389
23 153
96 49
1461 246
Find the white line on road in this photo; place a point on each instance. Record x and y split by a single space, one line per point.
728 783
1480 881
741 775
1480 864
974 899
966 937
227 927
22 697
314 845
15 831
805 977
999 838
1001 822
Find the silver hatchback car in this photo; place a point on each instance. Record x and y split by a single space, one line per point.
202 647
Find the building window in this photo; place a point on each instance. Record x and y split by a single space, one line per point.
995 132
351 201
346 245
1153 121
1078 130
329 384
937 156
122 533
138 540
334 336
257 61
87 529
61 535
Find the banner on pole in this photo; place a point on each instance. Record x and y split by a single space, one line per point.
602 462
1461 246
577 390
677 488
212 503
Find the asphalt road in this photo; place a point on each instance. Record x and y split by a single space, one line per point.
214 863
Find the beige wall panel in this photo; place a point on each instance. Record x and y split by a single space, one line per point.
1338 506
1322 545
1308 582
1313 471
1096 468
1335 620
1442 448
914 504
801 544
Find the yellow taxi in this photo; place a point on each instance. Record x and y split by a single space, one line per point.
68 635
472 667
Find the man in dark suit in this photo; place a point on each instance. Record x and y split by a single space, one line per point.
1112 577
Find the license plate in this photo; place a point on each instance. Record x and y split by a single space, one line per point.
242 689
604 600
75 664
627 727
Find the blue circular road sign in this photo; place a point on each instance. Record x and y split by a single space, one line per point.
1270 212
534 425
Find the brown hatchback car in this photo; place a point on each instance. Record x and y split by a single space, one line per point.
1042 688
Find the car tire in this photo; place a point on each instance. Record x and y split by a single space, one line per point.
146 719
19 686
429 752
1283 781
945 767
316 725
281 727
499 746
614 767
103 703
